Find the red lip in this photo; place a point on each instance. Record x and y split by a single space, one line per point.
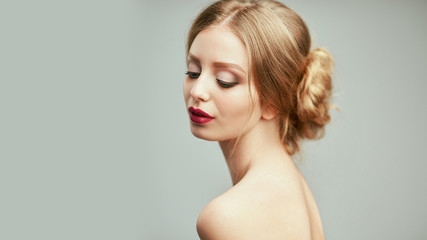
198 116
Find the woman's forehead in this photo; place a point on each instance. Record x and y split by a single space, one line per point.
221 46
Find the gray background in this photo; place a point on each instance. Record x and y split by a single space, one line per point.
95 140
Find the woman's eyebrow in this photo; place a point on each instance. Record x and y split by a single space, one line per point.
229 65
192 58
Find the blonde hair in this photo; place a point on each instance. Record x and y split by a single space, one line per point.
290 80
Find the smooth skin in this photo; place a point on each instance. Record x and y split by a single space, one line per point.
270 198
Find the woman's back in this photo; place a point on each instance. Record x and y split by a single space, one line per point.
268 204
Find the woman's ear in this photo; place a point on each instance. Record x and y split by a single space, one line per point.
269 113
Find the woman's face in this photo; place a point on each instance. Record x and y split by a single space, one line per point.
216 87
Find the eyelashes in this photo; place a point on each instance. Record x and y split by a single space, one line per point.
223 84
192 75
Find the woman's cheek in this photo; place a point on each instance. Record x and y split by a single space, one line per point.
234 104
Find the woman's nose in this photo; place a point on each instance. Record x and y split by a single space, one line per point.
200 89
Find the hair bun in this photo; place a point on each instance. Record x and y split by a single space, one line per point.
314 92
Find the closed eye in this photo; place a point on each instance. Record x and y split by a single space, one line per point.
192 75
225 84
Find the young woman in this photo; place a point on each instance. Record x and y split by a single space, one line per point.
254 85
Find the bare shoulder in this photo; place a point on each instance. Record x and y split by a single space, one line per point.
254 212
220 220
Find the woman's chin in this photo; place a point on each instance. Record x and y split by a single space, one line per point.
204 136
208 134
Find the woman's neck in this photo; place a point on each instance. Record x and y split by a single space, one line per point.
259 148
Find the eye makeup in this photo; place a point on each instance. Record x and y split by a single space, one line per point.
227 74
222 83
226 79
